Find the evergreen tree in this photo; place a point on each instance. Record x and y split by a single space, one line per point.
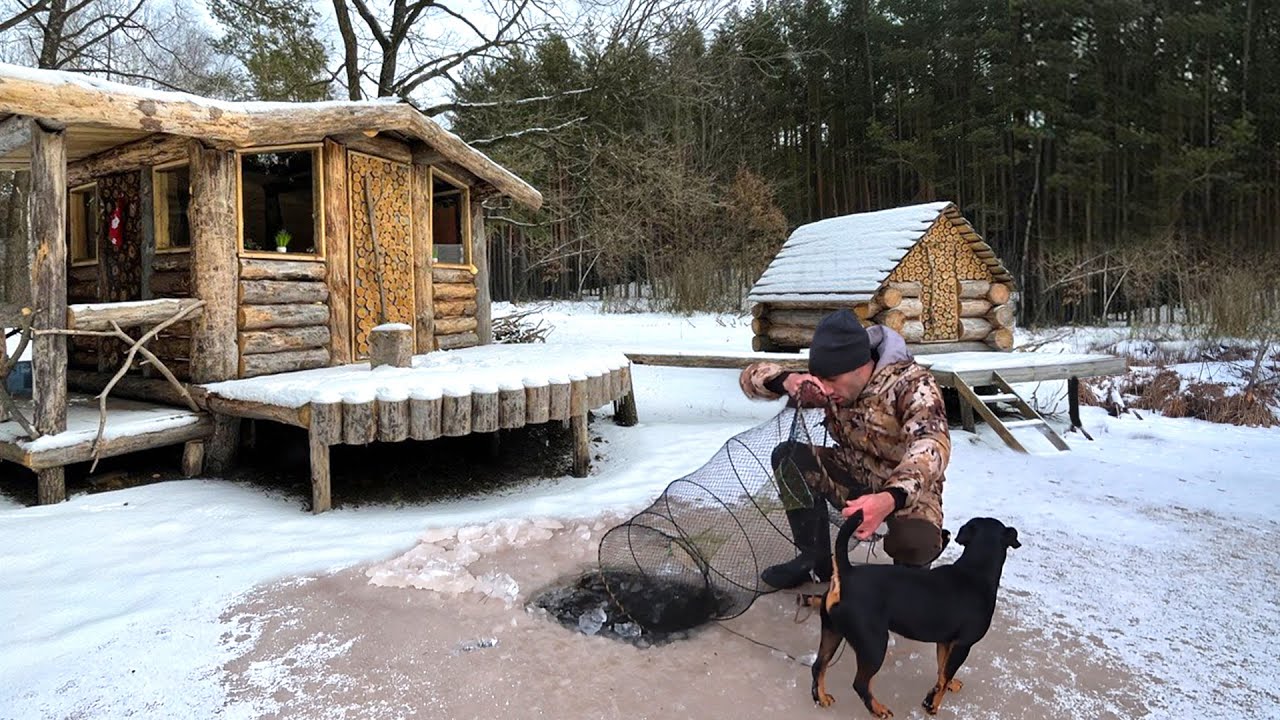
276 42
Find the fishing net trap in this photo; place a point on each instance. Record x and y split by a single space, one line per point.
696 553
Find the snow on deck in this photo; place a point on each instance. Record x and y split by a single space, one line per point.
452 372
125 418
844 259
960 362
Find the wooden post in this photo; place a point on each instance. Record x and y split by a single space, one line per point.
214 279
511 405
424 414
559 406
537 402
359 422
578 428
192 458
480 258
455 413
484 409
46 223
422 283
626 414
326 430
393 415
391 344
337 251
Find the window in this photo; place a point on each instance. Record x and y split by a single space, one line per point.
171 188
82 225
279 201
450 221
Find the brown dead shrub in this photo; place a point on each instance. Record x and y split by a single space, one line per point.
1161 392
1209 401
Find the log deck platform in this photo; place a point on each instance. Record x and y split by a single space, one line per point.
442 394
131 426
961 371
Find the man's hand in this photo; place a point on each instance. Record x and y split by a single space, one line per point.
875 508
808 390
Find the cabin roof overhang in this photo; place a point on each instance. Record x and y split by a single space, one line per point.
99 115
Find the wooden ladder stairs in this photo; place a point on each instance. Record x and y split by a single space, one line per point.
971 401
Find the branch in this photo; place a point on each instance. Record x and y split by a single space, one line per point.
486 142
372 21
23 15
132 76
455 106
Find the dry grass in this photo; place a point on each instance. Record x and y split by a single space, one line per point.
1162 391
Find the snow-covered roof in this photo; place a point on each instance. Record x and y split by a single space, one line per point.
93 105
846 258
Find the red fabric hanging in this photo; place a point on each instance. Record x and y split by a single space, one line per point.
115 227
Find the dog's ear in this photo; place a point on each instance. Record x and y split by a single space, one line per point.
965 533
1011 538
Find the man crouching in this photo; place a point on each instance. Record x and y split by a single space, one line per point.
887 418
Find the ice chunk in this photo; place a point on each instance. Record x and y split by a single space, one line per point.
499 585
627 630
592 620
478 644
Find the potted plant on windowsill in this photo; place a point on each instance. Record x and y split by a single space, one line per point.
283 239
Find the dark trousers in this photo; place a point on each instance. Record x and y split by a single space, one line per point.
802 471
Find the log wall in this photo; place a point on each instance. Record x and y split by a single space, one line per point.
949 288
283 317
456 301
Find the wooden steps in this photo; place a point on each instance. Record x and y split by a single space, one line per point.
971 402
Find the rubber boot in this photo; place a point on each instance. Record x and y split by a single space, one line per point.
812 533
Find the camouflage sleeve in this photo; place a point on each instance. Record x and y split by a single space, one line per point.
923 418
753 379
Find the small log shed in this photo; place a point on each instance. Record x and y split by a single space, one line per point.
921 270
300 227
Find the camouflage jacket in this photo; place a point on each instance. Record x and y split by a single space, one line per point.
895 435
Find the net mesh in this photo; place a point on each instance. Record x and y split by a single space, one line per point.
696 553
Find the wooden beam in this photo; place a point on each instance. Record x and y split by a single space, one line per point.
15 133
578 428
480 258
298 417
46 223
153 390
377 146
99 316
111 447
137 155
733 362
337 250
423 276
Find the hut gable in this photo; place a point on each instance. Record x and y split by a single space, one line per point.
922 270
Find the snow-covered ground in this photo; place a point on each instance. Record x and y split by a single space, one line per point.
1154 544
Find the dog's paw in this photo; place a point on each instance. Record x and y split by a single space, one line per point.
954 686
879 710
824 700
931 702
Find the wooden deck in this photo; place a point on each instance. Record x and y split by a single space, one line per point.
446 394
131 426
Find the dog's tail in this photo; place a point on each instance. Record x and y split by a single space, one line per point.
842 541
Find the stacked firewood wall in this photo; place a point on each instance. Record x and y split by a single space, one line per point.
454 296
950 286
171 278
283 316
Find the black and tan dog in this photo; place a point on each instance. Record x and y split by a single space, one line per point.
951 605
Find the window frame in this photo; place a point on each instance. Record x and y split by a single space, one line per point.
97 222
317 154
465 191
156 220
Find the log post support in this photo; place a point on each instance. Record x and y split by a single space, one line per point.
46 218
337 251
578 427
424 322
326 430
214 279
626 414
192 458
480 258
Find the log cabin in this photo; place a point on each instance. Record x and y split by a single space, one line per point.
240 240
922 270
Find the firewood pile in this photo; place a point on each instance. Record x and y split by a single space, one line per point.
522 326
